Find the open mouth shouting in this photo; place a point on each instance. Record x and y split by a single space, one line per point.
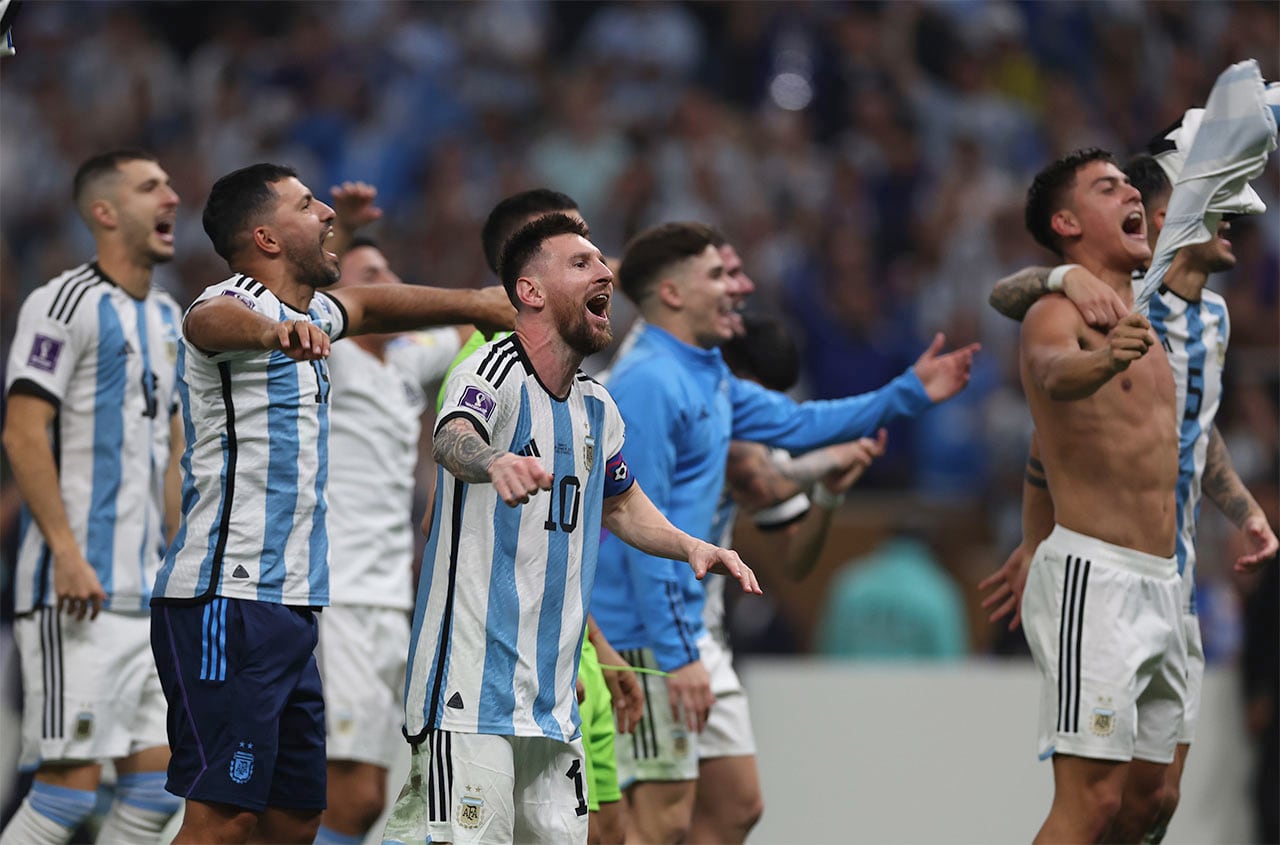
598 306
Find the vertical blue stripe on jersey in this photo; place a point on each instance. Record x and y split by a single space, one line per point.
502 614
551 616
424 584
593 499
318 572
283 398
108 442
151 400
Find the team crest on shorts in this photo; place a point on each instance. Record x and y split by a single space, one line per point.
680 742
1103 721
242 763
471 808
589 451
84 725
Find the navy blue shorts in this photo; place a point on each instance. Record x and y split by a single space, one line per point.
246 711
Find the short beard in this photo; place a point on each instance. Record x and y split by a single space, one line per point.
313 270
582 340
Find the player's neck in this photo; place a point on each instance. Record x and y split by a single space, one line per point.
553 361
1184 279
285 288
128 274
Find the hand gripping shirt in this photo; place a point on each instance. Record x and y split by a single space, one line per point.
255 465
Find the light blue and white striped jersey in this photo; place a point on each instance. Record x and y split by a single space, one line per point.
373 450
1195 335
504 591
107 362
255 466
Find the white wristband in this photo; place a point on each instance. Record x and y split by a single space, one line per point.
824 498
1057 276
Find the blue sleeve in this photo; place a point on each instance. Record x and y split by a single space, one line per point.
650 410
766 416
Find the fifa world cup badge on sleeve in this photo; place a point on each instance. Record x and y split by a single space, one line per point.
44 353
477 400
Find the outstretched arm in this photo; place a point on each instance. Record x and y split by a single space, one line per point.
1100 306
1223 487
381 309
639 523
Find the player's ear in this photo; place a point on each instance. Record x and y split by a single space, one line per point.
670 293
265 240
103 213
1156 223
529 292
1065 224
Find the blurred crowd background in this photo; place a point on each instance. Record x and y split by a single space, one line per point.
869 160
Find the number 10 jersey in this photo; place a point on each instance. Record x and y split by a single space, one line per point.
504 591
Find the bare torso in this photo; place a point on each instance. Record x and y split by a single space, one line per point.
1111 458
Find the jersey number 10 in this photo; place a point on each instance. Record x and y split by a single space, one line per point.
569 497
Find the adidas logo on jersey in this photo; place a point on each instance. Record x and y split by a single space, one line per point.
456 701
240 572
530 450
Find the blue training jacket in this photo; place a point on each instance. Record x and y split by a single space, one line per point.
682 406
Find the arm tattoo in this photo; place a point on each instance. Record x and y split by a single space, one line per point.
1014 295
459 448
1222 485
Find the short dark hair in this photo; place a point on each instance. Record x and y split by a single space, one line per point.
512 213
102 164
522 247
235 202
766 352
651 252
1049 189
1146 174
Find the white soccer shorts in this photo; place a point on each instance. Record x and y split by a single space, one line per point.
661 748
362 655
728 732
1195 678
1105 627
495 790
90 688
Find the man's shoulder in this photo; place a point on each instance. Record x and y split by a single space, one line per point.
1051 309
64 296
244 289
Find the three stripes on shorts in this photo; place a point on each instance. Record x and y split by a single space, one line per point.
1075 581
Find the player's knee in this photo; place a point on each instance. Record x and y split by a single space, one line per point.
1102 805
365 804
145 790
64 805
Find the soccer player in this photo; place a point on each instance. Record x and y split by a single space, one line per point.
683 407
380 389
90 423
1192 324
234 605
601 689
531 466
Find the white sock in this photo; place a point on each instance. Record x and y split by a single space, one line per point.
49 815
140 812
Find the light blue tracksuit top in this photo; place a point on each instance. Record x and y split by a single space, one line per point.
682 406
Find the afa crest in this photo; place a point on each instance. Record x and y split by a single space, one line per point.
84 725
241 768
589 451
471 809
1103 722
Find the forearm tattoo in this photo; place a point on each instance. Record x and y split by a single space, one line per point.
1014 295
459 448
1221 483
1035 474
